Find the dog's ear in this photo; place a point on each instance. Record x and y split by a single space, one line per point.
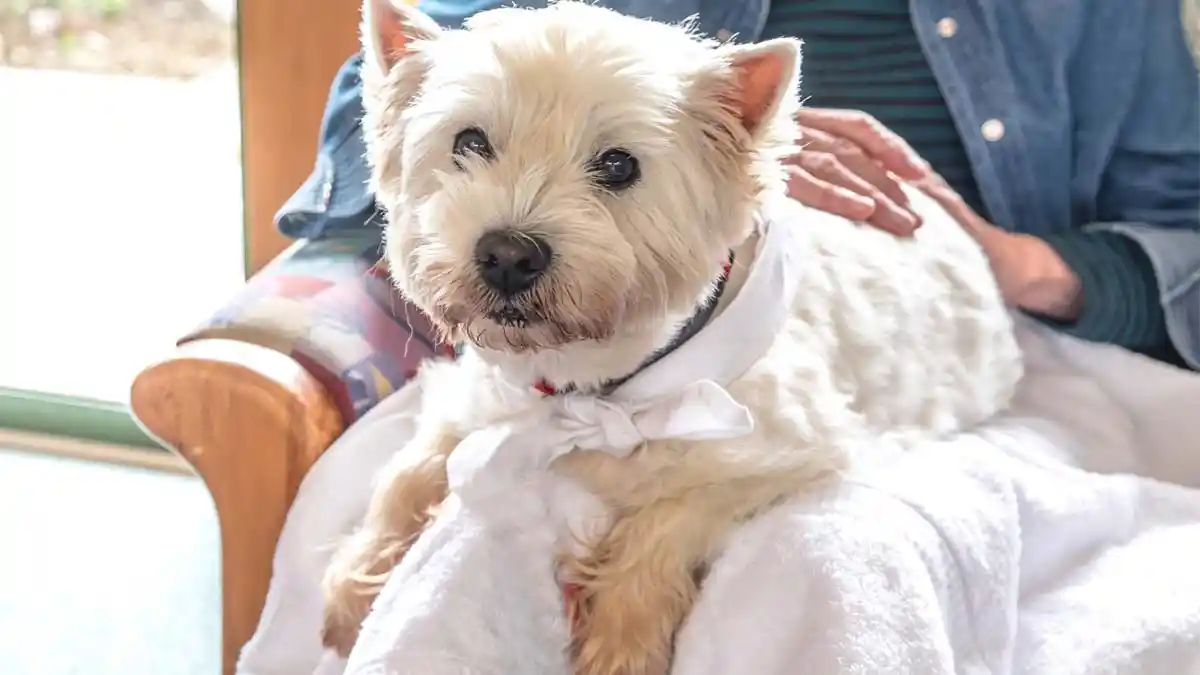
766 76
389 29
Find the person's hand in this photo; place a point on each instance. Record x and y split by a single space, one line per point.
1030 274
851 165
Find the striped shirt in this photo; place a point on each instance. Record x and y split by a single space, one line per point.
864 55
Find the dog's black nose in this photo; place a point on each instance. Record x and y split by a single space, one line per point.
509 262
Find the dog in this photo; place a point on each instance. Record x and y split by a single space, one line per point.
565 188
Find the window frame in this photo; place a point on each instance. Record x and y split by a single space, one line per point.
288 54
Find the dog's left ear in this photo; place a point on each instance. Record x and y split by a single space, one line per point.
766 77
389 29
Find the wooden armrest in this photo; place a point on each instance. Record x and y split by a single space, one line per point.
251 421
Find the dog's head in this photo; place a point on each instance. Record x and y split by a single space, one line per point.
569 173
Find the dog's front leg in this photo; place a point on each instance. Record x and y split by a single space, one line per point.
411 487
633 590
637 585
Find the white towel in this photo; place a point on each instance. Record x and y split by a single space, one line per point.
964 558
1027 547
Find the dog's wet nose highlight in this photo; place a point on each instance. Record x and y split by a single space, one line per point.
510 261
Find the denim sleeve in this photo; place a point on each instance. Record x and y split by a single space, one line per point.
1140 264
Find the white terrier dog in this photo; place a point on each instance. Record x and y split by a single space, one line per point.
565 188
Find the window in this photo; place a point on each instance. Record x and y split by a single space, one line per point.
121 199
146 147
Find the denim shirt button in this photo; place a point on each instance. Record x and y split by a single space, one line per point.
723 35
992 130
947 27
326 193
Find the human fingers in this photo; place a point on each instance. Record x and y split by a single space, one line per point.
886 214
868 133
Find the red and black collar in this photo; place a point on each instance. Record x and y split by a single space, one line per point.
703 315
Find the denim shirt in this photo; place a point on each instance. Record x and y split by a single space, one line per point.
1076 115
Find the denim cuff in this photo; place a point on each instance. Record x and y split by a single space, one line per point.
335 197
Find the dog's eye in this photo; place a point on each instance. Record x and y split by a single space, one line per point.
472 142
616 169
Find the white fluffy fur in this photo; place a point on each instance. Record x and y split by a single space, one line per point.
898 339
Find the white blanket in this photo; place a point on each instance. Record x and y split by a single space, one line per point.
1032 546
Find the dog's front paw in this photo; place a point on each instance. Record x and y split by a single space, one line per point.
342 624
354 578
347 603
617 634
624 617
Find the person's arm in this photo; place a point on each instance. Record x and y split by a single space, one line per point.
1138 266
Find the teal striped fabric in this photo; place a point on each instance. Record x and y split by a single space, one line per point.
864 55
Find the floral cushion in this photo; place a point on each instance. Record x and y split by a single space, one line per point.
331 307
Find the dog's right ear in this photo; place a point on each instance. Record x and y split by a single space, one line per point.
389 29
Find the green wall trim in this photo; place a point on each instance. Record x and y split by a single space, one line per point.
101 421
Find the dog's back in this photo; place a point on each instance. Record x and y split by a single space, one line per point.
904 338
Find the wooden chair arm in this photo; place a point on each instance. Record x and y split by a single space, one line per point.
251 421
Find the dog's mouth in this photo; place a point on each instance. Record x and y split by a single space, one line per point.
521 322
510 317
517 327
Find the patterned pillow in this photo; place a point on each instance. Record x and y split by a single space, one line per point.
328 305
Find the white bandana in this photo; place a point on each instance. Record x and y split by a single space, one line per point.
681 396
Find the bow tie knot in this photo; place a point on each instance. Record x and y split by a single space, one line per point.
501 458
593 423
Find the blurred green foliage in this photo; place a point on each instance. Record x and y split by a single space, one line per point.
101 7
